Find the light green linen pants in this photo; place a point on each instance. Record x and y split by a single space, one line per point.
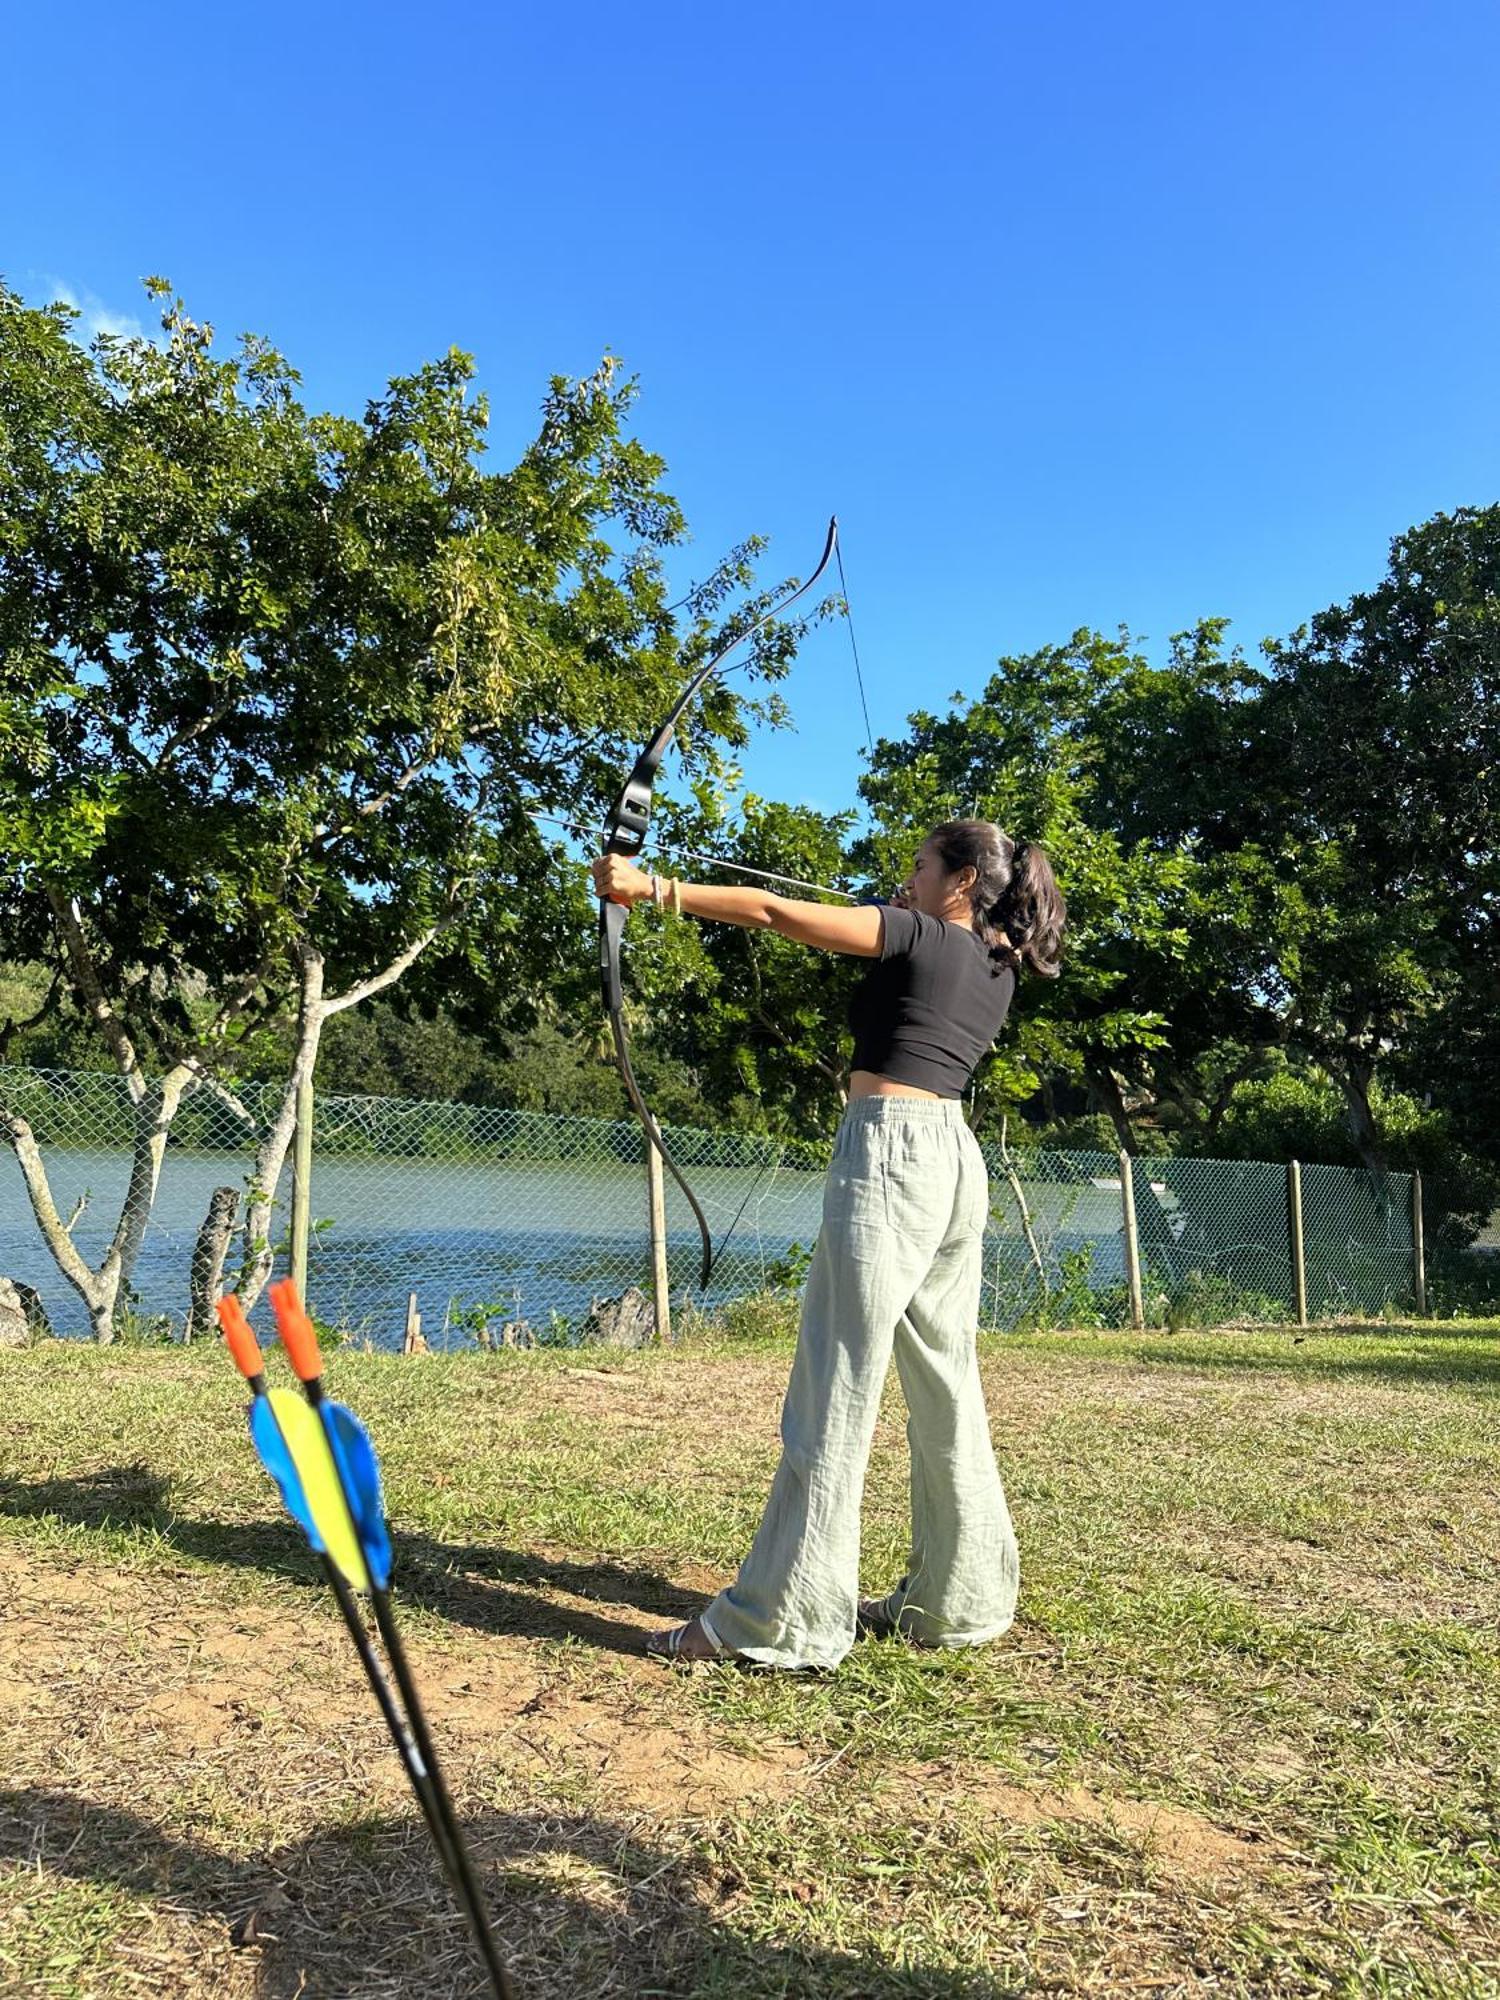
897 1266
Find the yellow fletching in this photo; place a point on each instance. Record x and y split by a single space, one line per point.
307 1446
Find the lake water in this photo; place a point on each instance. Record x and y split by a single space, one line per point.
526 1241
513 1241
494 1237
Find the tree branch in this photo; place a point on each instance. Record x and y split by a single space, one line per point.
325 837
378 982
85 973
65 1252
240 1000
14 1027
145 1168
270 1154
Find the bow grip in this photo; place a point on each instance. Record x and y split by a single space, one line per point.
611 929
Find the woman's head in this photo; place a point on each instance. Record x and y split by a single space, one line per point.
1006 886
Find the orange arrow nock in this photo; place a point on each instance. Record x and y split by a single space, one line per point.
296 1330
242 1342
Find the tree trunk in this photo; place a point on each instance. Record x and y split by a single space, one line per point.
314 1008
208 1261
100 1289
153 1121
258 1255
1106 1087
1039 1263
1355 1077
102 1315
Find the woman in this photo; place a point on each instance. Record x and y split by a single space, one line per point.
897 1265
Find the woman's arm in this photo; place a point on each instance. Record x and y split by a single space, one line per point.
855 932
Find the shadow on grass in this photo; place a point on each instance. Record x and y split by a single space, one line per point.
363 1911
483 1585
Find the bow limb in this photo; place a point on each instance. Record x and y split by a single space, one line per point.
625 833
611 930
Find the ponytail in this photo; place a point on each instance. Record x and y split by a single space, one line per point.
1018 908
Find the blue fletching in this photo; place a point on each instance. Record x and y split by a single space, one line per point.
355 1457
270 1445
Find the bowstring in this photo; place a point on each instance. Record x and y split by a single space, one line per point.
838 550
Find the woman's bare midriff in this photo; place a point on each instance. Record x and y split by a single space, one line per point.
870 1083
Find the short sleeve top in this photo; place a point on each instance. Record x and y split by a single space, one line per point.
931 1005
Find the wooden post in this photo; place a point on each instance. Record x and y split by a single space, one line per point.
1299 1252
661 1284
1418 1246
412 1341
302 1158
1132 1245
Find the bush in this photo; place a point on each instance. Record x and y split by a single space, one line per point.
1463 1284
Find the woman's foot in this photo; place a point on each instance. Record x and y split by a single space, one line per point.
697 1644
686 1645
874 1619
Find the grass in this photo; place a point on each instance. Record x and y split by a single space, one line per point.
1243 1739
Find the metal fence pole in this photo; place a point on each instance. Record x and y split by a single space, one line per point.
1299 1252
661 1285
1418 1246
1132 1245
302 1159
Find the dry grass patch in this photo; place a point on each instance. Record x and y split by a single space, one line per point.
1243 1738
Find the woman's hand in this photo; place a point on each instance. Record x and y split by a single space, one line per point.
620 881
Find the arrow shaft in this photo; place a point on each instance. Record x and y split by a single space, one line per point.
417 1750
411 1757
466 1885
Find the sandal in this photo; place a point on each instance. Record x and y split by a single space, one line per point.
696 1644
691 1645
874 1619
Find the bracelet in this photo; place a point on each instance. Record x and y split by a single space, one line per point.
676 897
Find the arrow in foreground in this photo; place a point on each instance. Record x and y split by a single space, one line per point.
324 1466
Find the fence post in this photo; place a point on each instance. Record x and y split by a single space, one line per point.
1299 1251
1132 1245
661 1284
1418 1246
302 1156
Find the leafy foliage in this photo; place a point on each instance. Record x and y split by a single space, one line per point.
279 688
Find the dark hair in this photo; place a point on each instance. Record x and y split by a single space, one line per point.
1018 908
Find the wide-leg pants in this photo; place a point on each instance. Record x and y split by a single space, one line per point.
897 1267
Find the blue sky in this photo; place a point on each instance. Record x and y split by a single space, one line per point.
1079 315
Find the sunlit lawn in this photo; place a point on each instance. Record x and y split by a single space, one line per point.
1244 1737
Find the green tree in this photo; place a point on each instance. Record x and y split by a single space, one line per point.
277 692
757 1020
1301 1114
1376 760
1025 753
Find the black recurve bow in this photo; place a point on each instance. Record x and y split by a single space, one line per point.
625 833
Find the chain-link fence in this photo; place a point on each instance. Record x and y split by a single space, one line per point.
494 1217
